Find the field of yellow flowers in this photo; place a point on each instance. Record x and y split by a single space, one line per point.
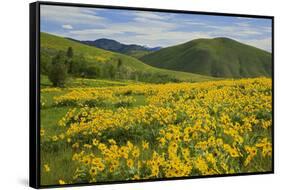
152 131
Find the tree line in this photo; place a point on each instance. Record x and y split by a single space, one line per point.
65 64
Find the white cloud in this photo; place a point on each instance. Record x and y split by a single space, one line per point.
261 43
67 26
155 33
244 18
150 28
152 15
243 24
235 30
145 34
73 15
152 32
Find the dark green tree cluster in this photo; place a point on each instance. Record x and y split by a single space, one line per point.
58 70
61 66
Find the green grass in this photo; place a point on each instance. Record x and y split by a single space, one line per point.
58 161
61 167
138 54
219 57
93 55
50 117
84 82
140 100
58 157
44 81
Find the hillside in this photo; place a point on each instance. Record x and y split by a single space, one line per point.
50 44
218 57
115 46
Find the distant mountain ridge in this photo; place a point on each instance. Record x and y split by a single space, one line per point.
115 46
217 57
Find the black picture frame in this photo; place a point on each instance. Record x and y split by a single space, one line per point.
34 91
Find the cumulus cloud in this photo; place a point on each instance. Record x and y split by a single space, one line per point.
152 28
261 43
67 26
73 15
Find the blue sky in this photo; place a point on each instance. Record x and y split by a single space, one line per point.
151 28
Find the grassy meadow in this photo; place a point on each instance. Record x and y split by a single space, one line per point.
103 130
195 109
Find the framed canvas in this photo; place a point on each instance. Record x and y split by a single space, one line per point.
121 94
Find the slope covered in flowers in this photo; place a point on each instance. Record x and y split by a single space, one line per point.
182 129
